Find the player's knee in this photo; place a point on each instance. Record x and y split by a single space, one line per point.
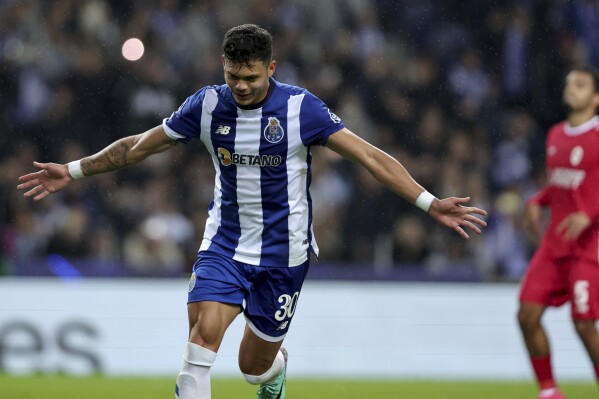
528 319
253 367
585 328
255 379
262 372
205 338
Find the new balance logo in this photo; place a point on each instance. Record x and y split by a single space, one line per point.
283 325
222 129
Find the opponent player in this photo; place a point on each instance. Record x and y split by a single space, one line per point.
565 267
258 237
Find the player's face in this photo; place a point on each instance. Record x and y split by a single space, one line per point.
579 92
248 83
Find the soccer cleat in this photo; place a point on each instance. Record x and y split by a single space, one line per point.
552 393
276 388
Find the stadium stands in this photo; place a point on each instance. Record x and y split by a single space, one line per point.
461 93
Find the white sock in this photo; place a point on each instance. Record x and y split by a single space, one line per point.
547 392
271 374
193 381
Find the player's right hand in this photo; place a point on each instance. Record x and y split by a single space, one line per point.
532 221
573 225
50 178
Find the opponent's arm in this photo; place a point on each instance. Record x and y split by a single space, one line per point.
577 222
390 172
122 153
533 213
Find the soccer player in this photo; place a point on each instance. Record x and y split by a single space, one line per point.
258 237
565 267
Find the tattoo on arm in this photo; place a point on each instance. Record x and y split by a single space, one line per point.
113 157
125 152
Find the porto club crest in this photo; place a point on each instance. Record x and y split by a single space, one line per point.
273 132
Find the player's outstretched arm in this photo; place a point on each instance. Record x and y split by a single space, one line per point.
532 220
449 212
52 177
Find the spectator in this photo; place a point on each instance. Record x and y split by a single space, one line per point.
449 91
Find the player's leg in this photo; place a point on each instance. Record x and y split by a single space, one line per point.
216 292
263 363
257 356
208 322
270 306
537 343
585 307
545 284
587 331
533 333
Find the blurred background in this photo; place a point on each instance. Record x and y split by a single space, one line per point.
461 92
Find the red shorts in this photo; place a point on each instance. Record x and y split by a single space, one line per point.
553 282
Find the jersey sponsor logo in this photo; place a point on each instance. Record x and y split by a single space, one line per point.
566 178
223 129
273 132
576 155
227 158
334 117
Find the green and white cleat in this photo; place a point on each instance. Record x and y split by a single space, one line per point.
276 388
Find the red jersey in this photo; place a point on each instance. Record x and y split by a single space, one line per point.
573 185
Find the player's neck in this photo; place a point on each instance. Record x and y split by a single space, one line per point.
577 118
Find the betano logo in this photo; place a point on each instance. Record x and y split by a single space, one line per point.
226 158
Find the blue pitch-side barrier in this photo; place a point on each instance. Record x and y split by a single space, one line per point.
64 268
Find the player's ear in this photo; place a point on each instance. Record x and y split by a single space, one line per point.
271 68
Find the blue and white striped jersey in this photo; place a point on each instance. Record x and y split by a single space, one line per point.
262 211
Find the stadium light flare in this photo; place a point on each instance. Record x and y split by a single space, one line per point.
133 49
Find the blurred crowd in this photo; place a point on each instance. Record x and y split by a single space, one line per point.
461 92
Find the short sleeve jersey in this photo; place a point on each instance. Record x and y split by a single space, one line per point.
572 155
262 211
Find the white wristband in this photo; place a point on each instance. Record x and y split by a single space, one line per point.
75 169
424 200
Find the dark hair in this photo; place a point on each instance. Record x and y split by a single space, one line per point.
246 43
591 70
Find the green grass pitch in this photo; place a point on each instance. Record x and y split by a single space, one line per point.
47 387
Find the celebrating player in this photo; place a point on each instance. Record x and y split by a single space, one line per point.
258 236
565 267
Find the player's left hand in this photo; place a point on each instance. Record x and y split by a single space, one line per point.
451 213
573 225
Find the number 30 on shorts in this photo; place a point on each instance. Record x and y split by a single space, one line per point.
581 296
288 308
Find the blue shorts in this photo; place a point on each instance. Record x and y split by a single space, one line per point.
268 295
